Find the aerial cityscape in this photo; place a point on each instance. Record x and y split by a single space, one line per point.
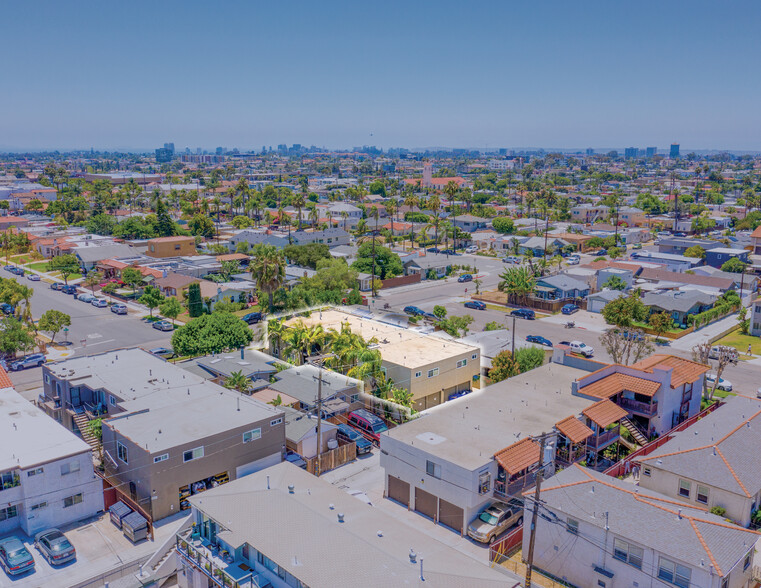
336 295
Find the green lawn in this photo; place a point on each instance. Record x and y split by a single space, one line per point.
646 326
740 342
39 266
70 277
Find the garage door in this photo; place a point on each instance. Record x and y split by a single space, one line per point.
399 490
450 515
426 503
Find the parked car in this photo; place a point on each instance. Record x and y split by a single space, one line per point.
365 421
69 289
8 267
573 260
511 259
86 297
346 433
539 339
99 302
433 250
6 308
253 317
600 253
162 352
30 361
15 557
724 385
497 518
634 335
465 278
716 350
296 460
472 249
56 286
414 311
55 547
163 326
569 309
448 252
637 246
475 304
580 348
33 277
459 394
119 308
524 313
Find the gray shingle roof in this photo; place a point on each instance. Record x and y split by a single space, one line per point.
564 282
681 301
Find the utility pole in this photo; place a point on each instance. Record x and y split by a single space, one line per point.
513 351
372 277
317 361
535 513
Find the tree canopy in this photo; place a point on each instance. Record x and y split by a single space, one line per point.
211 333
387 263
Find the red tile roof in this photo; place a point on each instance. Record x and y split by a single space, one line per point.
574 429
5 380
604 413
684 370
518 456
614 383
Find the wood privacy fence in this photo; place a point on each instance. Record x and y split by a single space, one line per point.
333 458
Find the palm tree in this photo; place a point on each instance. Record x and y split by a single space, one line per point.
517 282
298 201
434 204
275 330
93 278
268 269
300 340
391 208
238 381
548 201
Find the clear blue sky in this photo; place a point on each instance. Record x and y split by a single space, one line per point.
413 73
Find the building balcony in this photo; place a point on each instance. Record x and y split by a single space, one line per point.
504 490
602 440
571 455
643 408
9 480
51 404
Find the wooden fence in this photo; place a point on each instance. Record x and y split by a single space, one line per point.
504 548
551 306
334 458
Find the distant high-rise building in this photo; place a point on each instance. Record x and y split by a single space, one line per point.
630 153
282 148
503 151
590 151
169 146
220 150
164 155
674 153
651 152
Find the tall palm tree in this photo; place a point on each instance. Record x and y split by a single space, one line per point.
298 201
434 204
268 269
391 207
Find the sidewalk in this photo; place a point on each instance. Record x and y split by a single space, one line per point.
705 334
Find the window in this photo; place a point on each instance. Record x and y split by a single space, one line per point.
433 469
72 500
47 378
275 422
176 247
684 488
418 374
628 553
121 452
702 494
646 471
433 372
35 472
572 526
251 435
39 506
674 573
462 363
746 563
9 480
484 483
160 458
725 582
70 468
474 356
8 512
192 454
112 401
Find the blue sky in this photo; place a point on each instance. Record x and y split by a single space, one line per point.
414 74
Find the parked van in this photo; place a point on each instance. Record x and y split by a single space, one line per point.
368 423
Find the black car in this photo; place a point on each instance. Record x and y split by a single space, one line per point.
449 252
69 289
346 433
539 339
601 252
6 308
524 313
414 311
253 317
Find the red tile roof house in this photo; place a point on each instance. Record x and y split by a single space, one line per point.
12 221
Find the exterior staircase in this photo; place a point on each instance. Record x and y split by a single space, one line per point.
635 432
81 420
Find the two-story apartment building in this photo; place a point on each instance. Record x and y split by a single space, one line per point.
678 245
714 463
470 223
176 246
46 472
673 262
167 432
588 213
596 530
431 368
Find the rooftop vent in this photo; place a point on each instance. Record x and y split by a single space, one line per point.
291 488
413 556
340 517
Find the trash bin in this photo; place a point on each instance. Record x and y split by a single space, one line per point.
118 511
135 527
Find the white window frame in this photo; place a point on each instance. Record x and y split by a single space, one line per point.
698 494
75 499
474 356
160 458
433 469
680 488
5 513
69 467
122 448
111 400
462 363
38 506
35 472
252 435
672 572
432 373
418 374
646 471
276 422
192 453
622 551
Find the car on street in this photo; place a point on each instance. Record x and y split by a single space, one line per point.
524 313
162 352
253 317
30 361
449 252
86 297
465 278
69 289
119 308
433 250
6 308
471 249
55 547
8 267
723 385
573 260
475 305
99 302
539 339
56 286
163 326
569 309
495 519
580 348
634 335
637 246
680 234
346 433
414 311
33 277
511 259
601 252
15 557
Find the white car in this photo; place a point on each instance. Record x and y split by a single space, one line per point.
472 249
99 302
724 385
573 260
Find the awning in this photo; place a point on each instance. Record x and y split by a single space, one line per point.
604 413
518 456
574 430
545 289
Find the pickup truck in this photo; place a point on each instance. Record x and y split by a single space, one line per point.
580 348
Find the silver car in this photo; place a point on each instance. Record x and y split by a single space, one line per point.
495 520
55 547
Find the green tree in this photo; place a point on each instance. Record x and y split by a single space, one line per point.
503 225
238 381
53 321
195 303
625 310
109 289
743 320
439 311
503 366
132 277
241 222
493 326
307 255
529 358
517 282
165 226
456 326
101 224
15 336
170 308
615 283
615 252
151 298
92 279
695 251
268 269
660 322
66 265
734 266
211 333
201 225
387 263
